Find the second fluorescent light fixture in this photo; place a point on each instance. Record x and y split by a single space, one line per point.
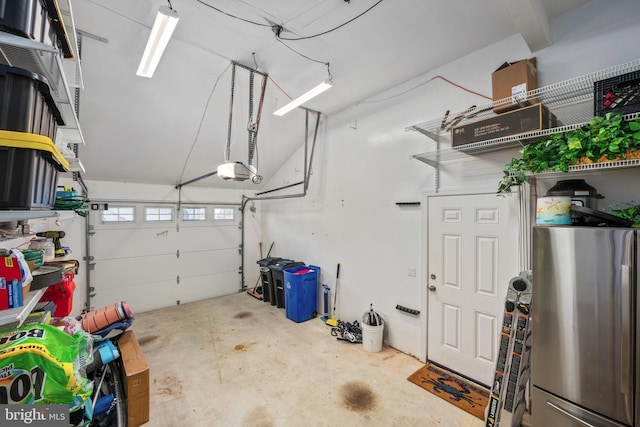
303 98
166 21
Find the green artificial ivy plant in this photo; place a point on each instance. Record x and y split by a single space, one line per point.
628 210
602 139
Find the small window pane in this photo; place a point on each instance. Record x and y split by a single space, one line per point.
194 214
118 214
158 214
223 213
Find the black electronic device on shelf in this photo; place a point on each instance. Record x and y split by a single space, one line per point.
595 218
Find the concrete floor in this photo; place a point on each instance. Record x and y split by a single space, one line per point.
237 361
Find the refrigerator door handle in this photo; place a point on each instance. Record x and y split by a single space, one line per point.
625 332
569 414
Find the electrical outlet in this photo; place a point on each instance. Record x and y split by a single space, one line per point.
411 271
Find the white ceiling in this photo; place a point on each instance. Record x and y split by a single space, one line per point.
173 127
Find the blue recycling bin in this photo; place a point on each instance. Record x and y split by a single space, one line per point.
301 292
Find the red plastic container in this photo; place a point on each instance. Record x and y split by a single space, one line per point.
61 294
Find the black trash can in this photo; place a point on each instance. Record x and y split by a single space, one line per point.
277 273
266 278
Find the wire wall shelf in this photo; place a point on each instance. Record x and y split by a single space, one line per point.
46 61
589 167
14 317
571 101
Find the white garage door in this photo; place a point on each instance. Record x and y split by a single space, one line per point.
154 256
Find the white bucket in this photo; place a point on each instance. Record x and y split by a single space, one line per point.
372 337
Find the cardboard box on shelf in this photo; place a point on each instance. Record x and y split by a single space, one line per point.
136 379
514 80
527 119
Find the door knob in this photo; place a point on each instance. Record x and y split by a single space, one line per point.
432 288
433 276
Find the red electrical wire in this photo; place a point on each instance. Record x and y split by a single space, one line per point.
278 86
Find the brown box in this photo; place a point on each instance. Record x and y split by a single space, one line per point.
136 379
527 119
514 79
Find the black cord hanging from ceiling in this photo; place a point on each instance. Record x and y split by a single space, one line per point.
293 38
334 28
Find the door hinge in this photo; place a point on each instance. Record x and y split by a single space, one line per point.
177 253
178 279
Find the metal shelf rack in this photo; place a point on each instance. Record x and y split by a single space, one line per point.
46 61
571 101
617 164
14 317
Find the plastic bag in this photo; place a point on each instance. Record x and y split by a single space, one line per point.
42 364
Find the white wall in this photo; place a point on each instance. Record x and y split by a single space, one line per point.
363 167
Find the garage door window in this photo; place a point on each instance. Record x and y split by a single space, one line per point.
158 214
194 214
119 214
223 214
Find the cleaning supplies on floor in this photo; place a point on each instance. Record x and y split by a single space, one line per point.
372 330
325 299
333 322
371 318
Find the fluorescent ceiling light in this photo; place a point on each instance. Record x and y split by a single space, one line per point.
303 98
166 21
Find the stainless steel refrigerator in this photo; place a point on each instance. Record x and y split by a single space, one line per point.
584 361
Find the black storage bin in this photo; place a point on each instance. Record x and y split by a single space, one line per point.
277 272
28 175
38 20
617 94
26 104
266 278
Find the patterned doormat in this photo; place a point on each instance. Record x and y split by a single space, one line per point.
452 388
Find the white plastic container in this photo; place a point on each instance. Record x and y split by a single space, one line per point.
372 337
49 250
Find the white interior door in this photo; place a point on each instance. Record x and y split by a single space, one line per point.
472 255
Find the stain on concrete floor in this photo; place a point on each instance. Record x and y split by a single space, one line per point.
358 396
169 385
243 315
147 340
258 417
